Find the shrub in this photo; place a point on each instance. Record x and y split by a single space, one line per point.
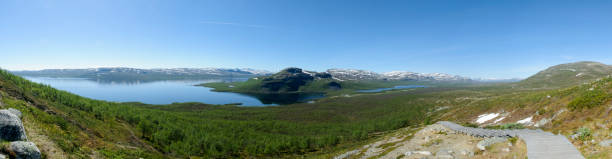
589 99
583 133
513 140
507 126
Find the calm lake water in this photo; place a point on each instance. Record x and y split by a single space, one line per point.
166 92
393 88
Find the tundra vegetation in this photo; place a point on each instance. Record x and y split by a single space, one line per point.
83 127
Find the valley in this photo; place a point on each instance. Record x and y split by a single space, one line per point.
323 129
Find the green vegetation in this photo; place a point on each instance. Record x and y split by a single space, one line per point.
432 142
565 75
589 99
81 126
584 134
506 126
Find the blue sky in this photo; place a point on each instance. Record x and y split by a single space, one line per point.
490 39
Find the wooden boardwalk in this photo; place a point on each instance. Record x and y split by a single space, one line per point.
540 144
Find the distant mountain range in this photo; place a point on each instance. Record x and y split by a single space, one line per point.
354 74
123 73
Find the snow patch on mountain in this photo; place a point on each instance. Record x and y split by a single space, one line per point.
354 74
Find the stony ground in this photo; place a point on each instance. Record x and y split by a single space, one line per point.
435 141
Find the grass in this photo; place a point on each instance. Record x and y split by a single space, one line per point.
432 142
82 126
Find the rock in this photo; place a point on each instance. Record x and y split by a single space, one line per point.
467 153
482 145
11 128
426 153
347 154
15 111
506 149
25 150
606 143
444 154
574 136
542 122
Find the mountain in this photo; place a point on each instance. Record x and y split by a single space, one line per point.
289 80
65 125
564 75
122 73
354 74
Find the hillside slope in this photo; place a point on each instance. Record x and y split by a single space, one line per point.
84 128
564 75
579 112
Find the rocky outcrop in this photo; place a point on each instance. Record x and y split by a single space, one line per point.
15 111
25 150
11 129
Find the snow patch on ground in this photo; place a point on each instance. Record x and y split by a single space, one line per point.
525 121
499 119
486 117
568 69
579 74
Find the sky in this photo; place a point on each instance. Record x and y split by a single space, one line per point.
480 39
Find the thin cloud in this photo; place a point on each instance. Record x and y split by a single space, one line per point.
233 24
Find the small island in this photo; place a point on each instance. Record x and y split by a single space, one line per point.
298 81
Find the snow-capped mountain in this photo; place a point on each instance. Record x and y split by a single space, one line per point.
353 74
123 73
167 71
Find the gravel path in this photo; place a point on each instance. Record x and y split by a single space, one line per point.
540 144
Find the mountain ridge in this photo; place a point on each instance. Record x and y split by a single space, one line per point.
337 73
567 74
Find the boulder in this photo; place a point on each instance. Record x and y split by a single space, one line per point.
11 128
15 111
25 150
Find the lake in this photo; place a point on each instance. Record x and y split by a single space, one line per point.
167 92
392 88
